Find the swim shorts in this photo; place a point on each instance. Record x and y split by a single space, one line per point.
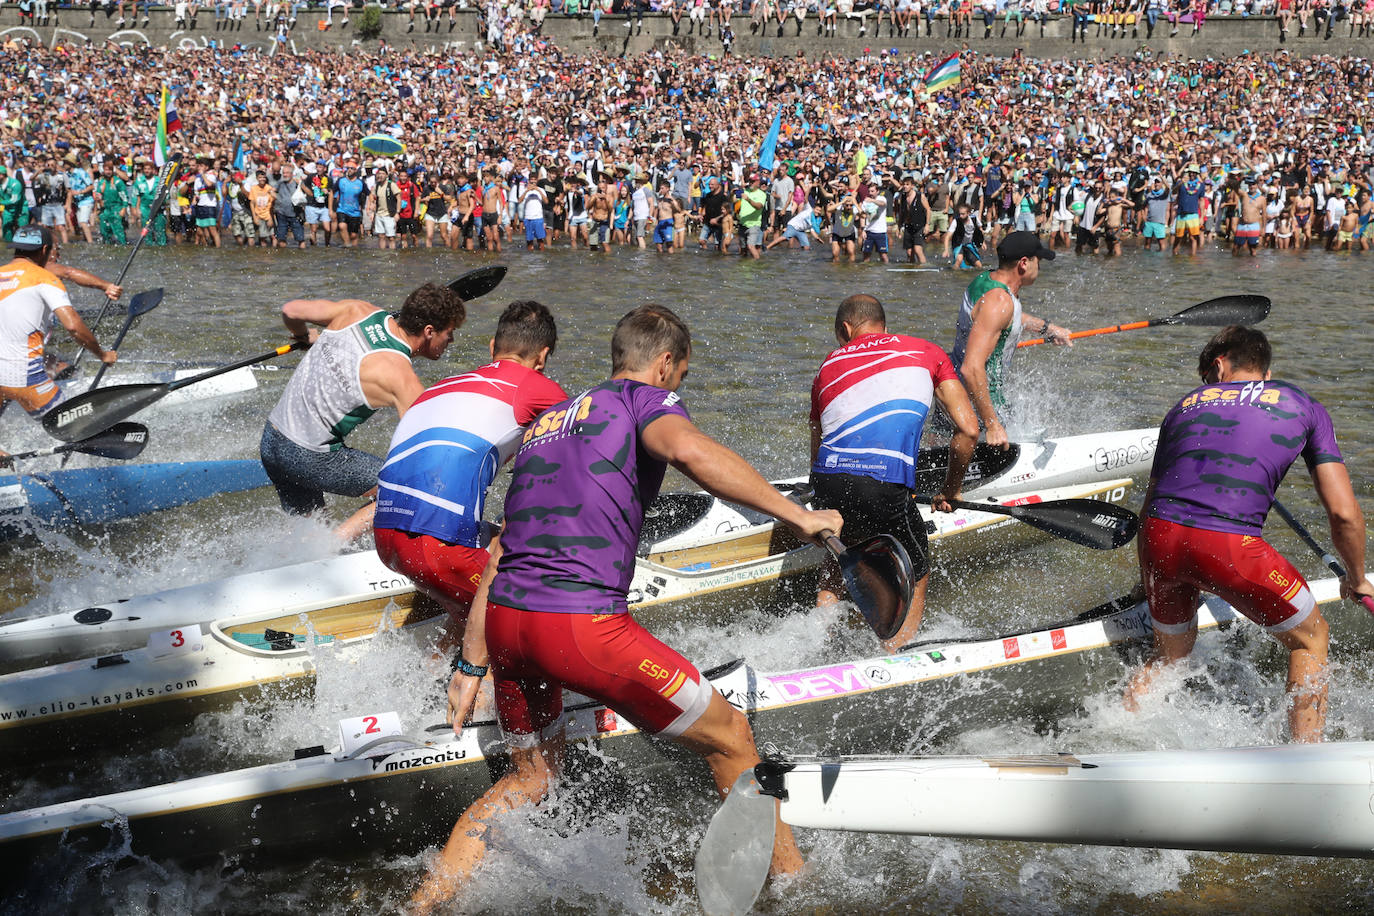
446 572
607 657
1178 562
872 507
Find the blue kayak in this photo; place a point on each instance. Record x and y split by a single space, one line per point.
83 496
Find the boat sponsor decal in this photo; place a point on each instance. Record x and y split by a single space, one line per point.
1024 500
606 720
936 656
60 705
1058 639
816 683
381 585
747 700
12 497
1011 647
1109 459
412 759
877 674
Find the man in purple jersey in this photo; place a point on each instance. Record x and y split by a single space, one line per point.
1223 450
551 611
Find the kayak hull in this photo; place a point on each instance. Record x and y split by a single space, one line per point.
1310 800
86 496
405 798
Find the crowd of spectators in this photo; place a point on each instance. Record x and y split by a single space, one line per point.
597 150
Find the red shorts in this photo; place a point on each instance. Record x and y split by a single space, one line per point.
1178 562
448 573
606 657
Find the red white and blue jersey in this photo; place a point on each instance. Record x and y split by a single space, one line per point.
871 397
450 444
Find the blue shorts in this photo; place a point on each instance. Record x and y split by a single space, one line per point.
534 230
663 232
969 253
302 476
790 233
875 241
1153 230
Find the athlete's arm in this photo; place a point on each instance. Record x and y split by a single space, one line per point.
462 688
955 400
298 314
1055 333
84 278
991 314
389 381
725 474
1332 481
82 334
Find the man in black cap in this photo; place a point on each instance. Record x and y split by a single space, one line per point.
31 295
990 325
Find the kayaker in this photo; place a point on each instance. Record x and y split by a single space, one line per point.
445 453
869 403
31 295
358 364
557 614
1223 450
991 323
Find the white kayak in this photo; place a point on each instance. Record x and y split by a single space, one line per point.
698 555
188 665
1308 800
405 792
237 382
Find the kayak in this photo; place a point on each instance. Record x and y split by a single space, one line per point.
1031 464
687 562
403 791
84 496
236 382
1307 800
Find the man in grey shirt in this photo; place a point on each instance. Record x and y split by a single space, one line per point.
782 189
682 185
287 209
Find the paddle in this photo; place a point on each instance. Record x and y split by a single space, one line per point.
168 173
1218 312
1328 558
99 409
122 441
478 282
878 574
141 304
1089 522
734 855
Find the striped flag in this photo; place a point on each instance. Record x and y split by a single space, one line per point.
945 74
168 121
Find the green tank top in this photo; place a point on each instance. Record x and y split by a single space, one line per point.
999 360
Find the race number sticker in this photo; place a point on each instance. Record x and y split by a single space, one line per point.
12 497
176 641
354 734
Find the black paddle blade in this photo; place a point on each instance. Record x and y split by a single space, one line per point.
95 411
1089 522
987 463
145 302
880 580
1224 310
122 441
478 282
671 514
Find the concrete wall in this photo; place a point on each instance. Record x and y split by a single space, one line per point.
1219 38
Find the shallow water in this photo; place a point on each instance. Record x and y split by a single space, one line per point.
759 329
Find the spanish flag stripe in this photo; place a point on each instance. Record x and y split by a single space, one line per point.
674 686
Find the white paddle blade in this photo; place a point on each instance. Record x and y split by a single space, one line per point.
733 860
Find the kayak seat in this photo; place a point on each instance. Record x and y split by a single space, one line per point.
275 640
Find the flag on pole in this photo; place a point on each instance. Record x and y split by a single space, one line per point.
168 121
945 74
770 143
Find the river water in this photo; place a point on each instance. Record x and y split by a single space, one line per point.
760 329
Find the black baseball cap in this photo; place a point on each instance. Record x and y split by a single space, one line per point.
32 238
1023 244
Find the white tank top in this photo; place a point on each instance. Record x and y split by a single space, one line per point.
324 400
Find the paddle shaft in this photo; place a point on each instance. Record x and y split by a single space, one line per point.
221 370
1328 558
169 172
1086 522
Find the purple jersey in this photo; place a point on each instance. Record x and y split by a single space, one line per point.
1224 449
576 501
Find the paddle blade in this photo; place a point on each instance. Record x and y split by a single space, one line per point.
1222 311
478 282
122 441
97 410
733 859
671 514
1089 522
987 463
880 580
145 302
